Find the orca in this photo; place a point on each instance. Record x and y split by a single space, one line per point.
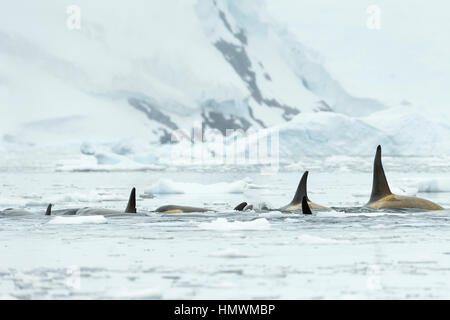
131 208
382 197
187 209
305 207
241 206
180 209
296 203
10 212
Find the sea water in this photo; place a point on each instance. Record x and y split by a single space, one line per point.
345 253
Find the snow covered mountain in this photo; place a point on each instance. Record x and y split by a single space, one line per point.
141 71
220 62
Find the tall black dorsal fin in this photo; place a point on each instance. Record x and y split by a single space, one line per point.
49 210
131 207
301 190
241 206
305 206
380 187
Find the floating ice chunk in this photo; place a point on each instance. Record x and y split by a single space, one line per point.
255 186
150 293
167 186
92 196
146 158
274 214
123 164
229 253
309 239
222 224
332 213
79 220
104 158
122 148
225 285
87 149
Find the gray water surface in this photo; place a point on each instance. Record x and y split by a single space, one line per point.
343 254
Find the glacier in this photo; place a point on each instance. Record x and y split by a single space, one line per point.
122 88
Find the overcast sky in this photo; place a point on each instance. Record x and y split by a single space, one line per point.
407 58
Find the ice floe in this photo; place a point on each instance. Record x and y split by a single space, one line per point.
222 224
78 220
167 186
229 253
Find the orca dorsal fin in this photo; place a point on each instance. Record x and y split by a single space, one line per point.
241 206
380 186
301 190
131 207
305 206
49 210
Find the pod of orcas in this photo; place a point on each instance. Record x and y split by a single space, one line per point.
381 197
